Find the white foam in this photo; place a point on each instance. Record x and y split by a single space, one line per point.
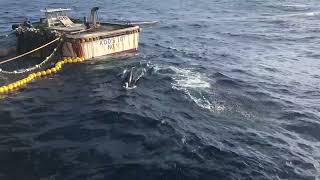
205 103
312 13
189 79
197 87
194 85
309 14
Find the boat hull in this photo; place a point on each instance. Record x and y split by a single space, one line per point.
101 44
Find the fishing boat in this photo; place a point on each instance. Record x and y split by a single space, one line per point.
60 40
86 38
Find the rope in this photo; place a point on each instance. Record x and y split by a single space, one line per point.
35 75
38 66
45 45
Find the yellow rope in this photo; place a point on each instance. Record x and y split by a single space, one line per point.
32 76
11 59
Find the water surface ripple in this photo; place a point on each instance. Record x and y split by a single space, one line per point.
225 90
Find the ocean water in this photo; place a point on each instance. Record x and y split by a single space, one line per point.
225 90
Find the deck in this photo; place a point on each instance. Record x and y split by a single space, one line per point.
104 30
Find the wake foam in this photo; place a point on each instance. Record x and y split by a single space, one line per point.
304 14
196 87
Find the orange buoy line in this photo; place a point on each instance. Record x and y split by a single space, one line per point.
36 75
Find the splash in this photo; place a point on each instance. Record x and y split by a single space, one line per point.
195 86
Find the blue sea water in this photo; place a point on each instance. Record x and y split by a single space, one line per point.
228 90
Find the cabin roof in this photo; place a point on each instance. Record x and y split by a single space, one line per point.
55 10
